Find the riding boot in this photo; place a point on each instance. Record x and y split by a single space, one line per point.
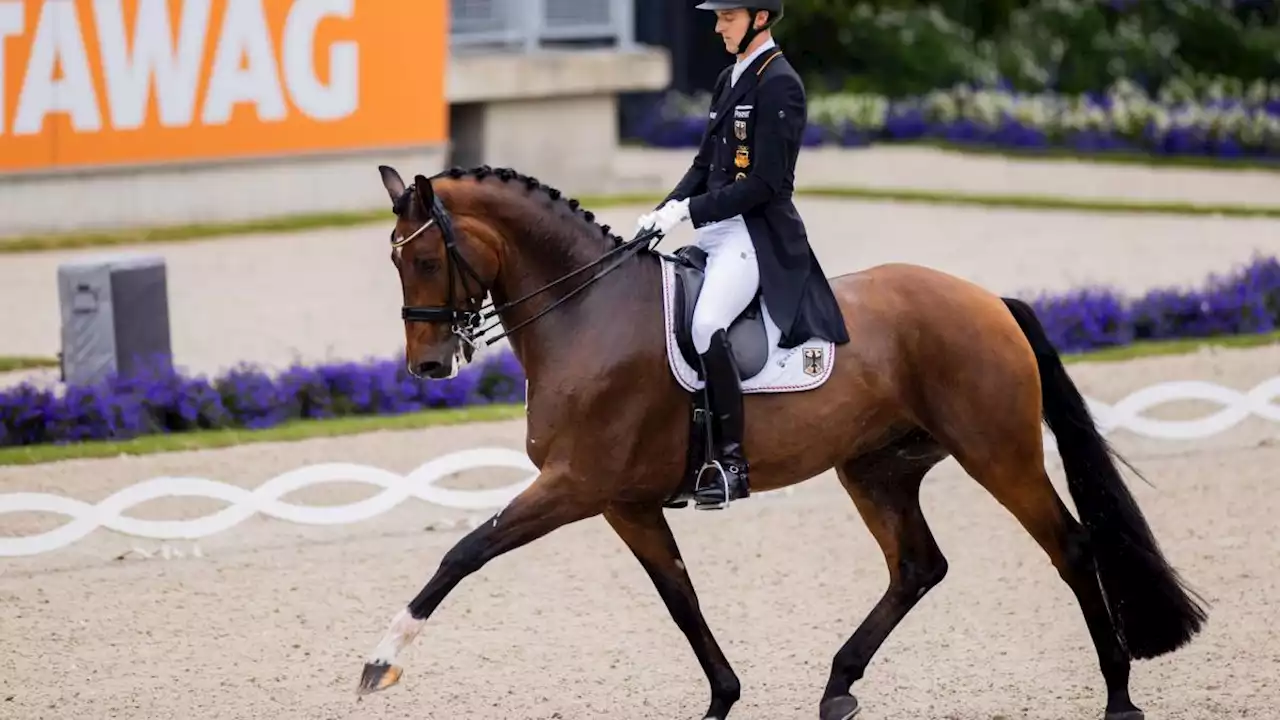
724 401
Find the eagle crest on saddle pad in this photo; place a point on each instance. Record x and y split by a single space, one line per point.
814 361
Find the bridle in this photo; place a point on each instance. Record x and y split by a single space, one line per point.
467 323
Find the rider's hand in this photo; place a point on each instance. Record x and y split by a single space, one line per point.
647 221
667 217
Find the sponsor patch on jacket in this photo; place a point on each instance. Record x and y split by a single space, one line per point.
742 111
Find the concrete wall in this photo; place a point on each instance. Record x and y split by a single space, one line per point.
552 114
199 193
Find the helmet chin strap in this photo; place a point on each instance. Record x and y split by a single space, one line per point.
751 33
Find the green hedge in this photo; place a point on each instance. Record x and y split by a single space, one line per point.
906 47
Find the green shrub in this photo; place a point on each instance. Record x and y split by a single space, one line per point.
903 47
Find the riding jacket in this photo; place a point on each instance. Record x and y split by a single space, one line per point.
745 165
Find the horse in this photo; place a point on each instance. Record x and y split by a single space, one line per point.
937 367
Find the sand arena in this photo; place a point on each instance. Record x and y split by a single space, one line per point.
273 620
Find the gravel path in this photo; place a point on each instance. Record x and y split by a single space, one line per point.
906 167
274 619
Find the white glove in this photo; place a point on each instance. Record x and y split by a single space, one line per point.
646 221
650 219
666 218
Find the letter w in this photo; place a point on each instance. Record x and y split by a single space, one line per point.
128 78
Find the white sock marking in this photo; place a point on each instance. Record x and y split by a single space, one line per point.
404 628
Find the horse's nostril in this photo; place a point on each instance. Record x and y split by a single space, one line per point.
429 367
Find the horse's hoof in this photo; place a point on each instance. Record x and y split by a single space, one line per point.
377 677
1126 715
840 708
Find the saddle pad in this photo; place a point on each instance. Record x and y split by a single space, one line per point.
788 370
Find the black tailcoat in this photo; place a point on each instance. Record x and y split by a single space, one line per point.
746 166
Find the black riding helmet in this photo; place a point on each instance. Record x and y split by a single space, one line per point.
752 7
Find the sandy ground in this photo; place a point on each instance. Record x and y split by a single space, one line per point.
273 619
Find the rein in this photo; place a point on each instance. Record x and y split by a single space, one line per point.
466 324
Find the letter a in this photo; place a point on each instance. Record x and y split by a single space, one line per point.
244 34
10 24
57 41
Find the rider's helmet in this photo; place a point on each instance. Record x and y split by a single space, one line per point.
752 7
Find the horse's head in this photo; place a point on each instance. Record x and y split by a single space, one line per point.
444 278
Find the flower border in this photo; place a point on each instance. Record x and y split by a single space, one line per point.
164 400
1221 119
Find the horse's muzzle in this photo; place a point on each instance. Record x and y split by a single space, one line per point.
432 369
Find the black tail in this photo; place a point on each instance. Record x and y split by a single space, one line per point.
1150 604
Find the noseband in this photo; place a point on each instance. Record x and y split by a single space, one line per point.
466 323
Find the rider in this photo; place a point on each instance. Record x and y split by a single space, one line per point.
737 193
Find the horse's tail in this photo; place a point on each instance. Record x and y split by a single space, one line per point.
1150 606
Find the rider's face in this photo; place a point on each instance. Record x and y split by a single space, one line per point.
732 26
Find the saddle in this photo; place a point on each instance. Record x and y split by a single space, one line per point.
748 339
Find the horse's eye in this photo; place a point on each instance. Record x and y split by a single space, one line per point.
426 266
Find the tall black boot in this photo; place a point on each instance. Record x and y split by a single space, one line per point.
724 401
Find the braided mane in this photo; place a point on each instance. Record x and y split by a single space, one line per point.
508 175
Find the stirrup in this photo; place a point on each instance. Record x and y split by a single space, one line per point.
724 483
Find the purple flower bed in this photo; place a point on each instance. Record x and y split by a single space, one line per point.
1244 301
1243 125
245 397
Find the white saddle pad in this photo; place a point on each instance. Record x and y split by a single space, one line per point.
788 370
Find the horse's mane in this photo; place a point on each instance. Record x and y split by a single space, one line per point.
532 184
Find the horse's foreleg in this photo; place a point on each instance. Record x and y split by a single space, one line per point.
646 532
887 496
552 501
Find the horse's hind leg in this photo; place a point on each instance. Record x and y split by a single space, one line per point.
885 488
1001 447
1018 481
646 533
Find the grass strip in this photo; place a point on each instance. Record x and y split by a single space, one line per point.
1115 157
207 231
336 427
303 223
1045 202
22 362
292 431
1181 346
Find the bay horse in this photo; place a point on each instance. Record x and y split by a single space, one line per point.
937 367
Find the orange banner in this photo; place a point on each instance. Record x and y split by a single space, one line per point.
103 82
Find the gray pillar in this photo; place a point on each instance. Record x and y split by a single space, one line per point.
115 316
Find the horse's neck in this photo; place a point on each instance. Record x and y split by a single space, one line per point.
576 326
529 263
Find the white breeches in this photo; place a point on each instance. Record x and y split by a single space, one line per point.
732 278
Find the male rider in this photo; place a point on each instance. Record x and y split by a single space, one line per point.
737 193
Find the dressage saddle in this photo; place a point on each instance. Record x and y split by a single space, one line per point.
748 339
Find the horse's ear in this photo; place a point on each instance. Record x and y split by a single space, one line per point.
426 194
392 182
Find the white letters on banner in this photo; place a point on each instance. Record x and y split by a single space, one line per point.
57 42
176 69
421 483
247 67
340 98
